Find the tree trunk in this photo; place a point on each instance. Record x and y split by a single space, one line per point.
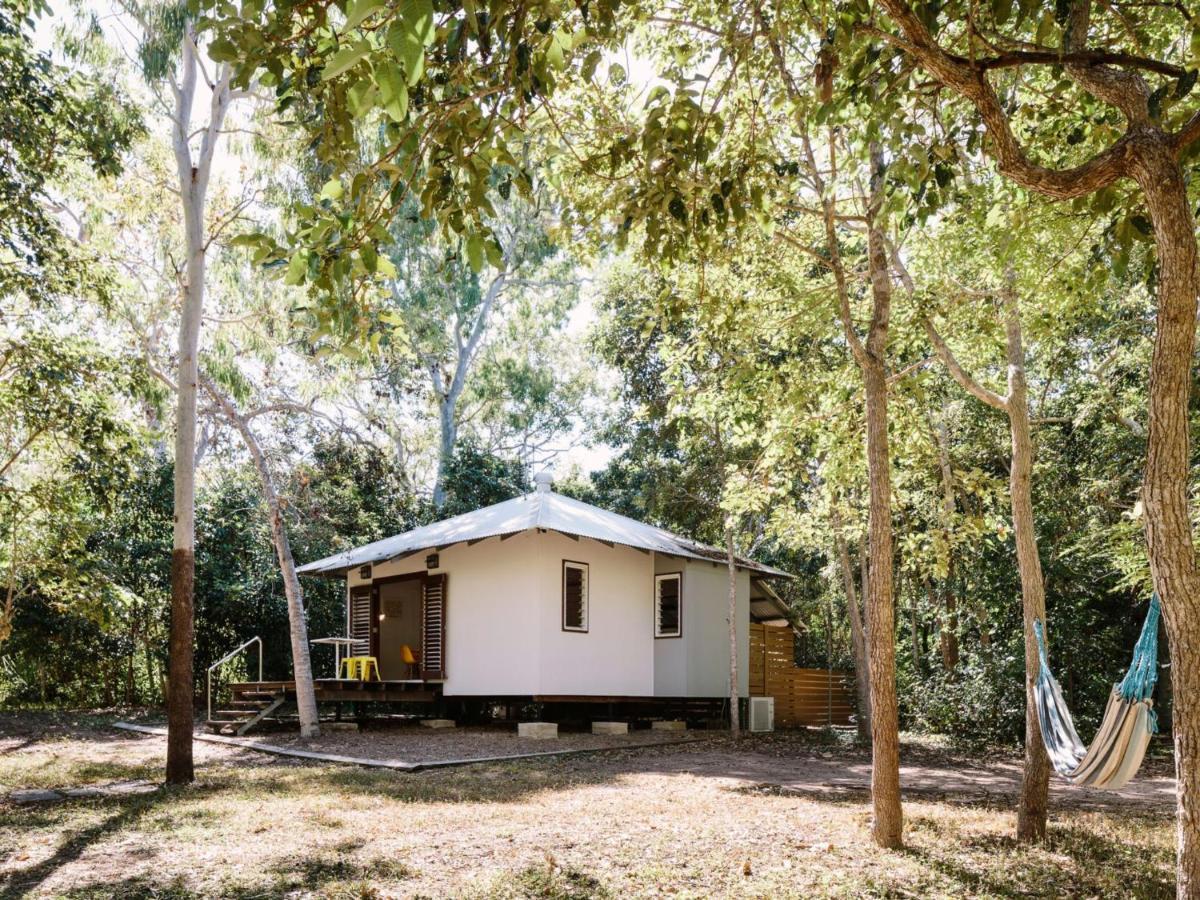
447 437
858 641
1165 488
193 176
1031 813
731 562
306 699
1035 784
885 737
449 395
180 681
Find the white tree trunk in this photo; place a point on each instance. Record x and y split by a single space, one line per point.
306 700
449 395
193 177
447 438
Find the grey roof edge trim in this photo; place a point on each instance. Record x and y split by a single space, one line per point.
776 601
335 566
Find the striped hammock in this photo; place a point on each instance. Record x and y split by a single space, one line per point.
1129 720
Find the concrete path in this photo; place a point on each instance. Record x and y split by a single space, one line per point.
399 764
88 792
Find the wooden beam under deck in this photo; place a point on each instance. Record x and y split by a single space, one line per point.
335 690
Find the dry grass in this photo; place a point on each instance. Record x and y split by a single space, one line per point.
681 822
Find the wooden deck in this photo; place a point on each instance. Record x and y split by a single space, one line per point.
341 690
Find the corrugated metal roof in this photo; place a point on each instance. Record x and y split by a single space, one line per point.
540 509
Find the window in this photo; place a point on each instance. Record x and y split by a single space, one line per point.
668 605
575 596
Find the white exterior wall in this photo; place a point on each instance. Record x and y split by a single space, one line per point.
615 657
670 654
504 631
492 629
706 629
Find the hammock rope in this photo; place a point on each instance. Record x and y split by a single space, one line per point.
1129 720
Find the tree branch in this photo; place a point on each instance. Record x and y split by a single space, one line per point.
969 384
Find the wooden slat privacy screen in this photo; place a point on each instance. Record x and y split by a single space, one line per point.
802 696
360 620
433 627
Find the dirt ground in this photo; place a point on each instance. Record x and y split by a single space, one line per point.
776 816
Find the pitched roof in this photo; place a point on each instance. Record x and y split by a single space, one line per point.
540 509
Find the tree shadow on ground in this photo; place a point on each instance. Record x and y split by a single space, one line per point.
127 812
1099 866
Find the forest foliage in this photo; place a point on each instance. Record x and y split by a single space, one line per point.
649 212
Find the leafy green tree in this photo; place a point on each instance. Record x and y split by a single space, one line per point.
448 91
1131 123
447 308
65 452
53 117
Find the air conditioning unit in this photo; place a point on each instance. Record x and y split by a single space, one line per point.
762 713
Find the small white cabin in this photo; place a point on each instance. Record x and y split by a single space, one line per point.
549 598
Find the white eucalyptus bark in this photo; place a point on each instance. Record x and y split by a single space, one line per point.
448 393
193 172
306 699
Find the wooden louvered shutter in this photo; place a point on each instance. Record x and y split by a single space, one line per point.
433 627
360 620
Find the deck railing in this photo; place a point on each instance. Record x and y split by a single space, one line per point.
226 658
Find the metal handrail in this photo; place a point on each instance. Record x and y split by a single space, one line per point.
224 659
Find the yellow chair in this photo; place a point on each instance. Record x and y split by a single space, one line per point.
365 665
409 660
361 667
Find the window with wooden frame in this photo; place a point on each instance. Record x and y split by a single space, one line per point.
668 605
574 596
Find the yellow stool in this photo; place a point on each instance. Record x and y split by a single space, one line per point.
361 667
365 665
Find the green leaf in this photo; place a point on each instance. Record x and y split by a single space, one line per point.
297 269
359 11
344 59
418 18
1001 10
332 190
408 50
1046 27
223 50
475 253
554 55
385 268
393 91
589 65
